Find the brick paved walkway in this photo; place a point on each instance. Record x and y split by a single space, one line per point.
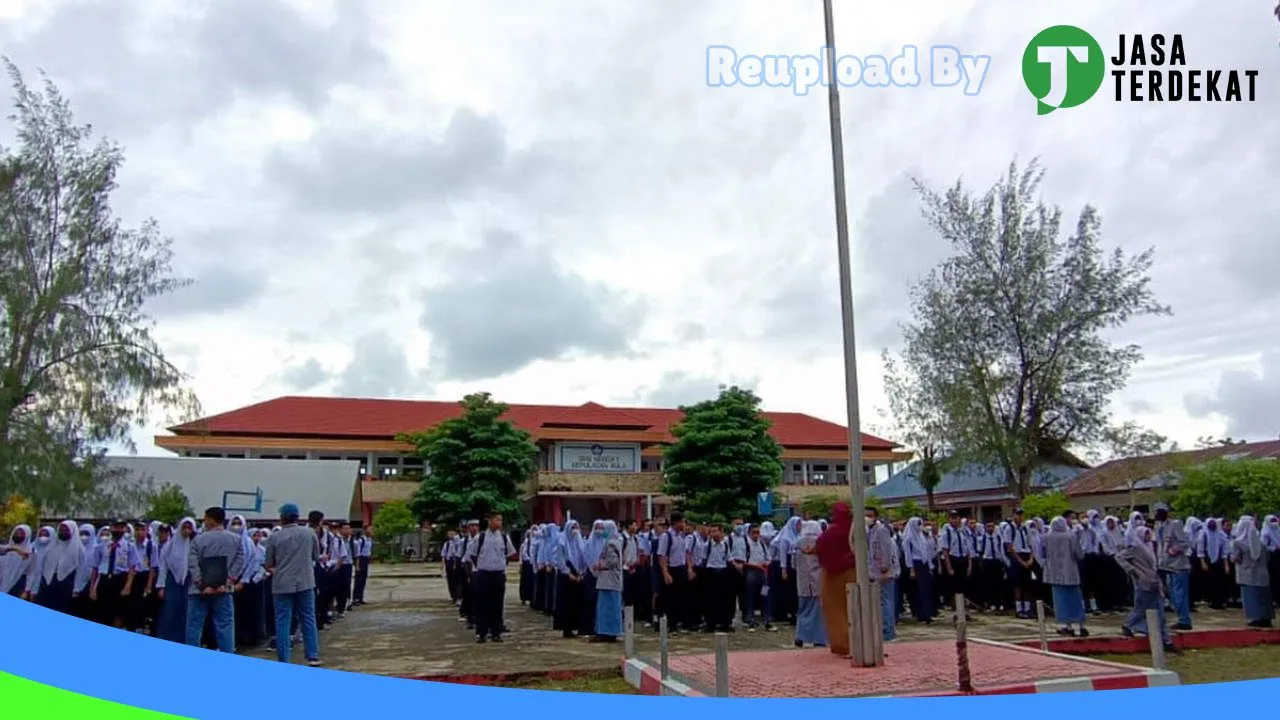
910 668
411 629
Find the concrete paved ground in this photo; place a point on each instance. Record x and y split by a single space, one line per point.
410 628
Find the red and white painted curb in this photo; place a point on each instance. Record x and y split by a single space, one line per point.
648 679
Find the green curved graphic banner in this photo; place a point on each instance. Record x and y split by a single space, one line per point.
27 699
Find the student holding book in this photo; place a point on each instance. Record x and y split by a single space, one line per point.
214 564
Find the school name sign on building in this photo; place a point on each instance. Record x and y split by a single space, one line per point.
1064 66
598 458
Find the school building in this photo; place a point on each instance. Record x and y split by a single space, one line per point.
593 461
1120 486
975 490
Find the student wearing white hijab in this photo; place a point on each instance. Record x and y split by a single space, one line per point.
1063 555
1194 527
44 538
920 553
810 628
1093 572
567 559
591 552
173 585
528 549
60 565
1133 530
16 559
1212 550
782 585
1139 561
1115 590
81 607
1271 543
1250 558
608 573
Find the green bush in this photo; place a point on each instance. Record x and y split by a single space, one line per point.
1047 505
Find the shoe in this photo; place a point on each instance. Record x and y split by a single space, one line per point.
496 638
1182 626
480 639
314 662
1083 633
799 644
1126 632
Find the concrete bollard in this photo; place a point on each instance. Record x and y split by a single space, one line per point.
629 630
964 677
1157 641
722 665
1044 628
662 648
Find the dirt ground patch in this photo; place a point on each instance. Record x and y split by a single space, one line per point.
409 628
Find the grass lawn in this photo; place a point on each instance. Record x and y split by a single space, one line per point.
609 684
1197 667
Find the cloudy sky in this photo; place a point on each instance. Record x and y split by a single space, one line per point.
405 198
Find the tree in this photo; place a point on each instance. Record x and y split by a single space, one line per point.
1229 488
16 511
819 506
922 426
1205 442
1007 346
79 362
907 510
169 505
723 455
930 476
1130 440
1047 505
477 463
393 521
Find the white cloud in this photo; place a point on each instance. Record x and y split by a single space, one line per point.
301 157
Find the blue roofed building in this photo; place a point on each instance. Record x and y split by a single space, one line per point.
976 490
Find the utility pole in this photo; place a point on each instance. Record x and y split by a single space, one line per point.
867 652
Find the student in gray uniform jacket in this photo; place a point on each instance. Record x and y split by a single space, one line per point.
608 569
1250 559
1063 555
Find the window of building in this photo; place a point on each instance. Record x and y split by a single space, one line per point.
271 457
296 457
415 462
330 457
207 455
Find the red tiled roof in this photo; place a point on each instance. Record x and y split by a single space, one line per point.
296 416
1116 475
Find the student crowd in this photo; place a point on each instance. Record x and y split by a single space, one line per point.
209 584
217 584
706 578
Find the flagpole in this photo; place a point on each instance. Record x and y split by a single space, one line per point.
867 652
